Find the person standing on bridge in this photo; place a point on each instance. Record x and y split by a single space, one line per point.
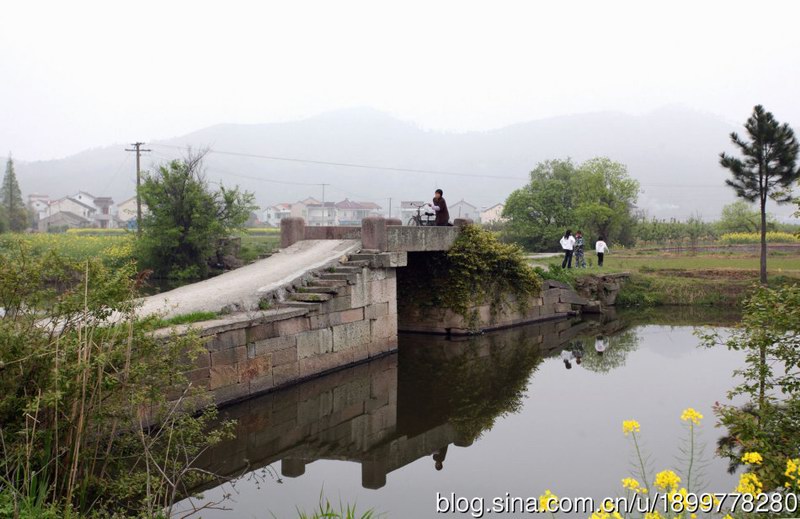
440 207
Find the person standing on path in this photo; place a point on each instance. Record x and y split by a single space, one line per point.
567 244
440 207
601 249
580 261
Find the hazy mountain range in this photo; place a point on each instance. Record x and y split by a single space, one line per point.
673 152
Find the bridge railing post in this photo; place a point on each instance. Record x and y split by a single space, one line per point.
373 233
293 230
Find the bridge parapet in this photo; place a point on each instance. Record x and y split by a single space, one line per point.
376 233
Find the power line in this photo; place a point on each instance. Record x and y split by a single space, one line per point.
349 164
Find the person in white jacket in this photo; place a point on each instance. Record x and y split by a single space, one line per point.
601 249
567 244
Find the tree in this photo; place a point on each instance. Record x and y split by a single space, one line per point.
606 198
14 215
539 212
598 197
767 169
186 219
739 217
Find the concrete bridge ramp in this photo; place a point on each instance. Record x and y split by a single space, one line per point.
242 289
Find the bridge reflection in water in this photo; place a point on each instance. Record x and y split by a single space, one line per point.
394 410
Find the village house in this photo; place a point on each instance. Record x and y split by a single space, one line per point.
493 214
273 215
351 213
462 209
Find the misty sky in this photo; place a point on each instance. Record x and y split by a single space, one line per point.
78 74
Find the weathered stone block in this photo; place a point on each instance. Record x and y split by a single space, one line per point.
253 368
265 346
285 373
338 304
351 334
292 231
230 393
225 340
335 318
260 332
285 356
383 327
314 342
376 310
563 307
292 326
224 375
198 377
229 356
261 383
373 233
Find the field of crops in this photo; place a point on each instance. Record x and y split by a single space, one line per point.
115 249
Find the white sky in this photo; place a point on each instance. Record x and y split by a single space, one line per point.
81 74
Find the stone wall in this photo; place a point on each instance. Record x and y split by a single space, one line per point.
250 353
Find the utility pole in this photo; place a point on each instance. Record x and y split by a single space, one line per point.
137 147
324 209
390 207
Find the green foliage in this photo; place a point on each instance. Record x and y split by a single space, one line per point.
768 169
186 220
769 423
556 273
597 197
477 269
13 213
191 317
95 413
326 511
673 232
739 216
752 237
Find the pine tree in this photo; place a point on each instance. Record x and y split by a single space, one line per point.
767 169
14 213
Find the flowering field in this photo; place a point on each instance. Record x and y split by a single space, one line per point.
113 249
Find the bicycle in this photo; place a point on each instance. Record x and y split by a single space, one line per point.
416 220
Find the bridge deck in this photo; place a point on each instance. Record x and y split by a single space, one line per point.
242 288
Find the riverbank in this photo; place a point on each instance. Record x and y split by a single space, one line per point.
686 278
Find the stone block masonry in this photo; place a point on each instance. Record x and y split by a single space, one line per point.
353 319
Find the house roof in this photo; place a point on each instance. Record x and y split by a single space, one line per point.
85 193
87 206
463 202
131 199
349 204
66 214
492 207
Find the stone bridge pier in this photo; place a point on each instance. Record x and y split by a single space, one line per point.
340 313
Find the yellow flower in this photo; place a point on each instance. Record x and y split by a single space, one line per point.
752 458
690 415
632 484
749 484
667 480
793 472
548 501
653 515
630 426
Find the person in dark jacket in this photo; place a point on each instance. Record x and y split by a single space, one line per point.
440 206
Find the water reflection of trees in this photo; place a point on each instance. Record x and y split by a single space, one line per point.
616 353
469 384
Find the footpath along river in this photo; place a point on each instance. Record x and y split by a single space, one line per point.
513 412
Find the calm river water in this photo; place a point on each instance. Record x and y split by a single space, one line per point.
480 417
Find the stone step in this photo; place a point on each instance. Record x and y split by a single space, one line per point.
321 289
331 283
348 269
310 297
355 263
311 307
349 278
362 257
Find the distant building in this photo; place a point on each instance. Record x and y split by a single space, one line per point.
273 215
126 213
462 209
62 220
37 204
320 214
351 213
69 204
493 214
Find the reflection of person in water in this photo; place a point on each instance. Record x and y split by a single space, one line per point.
567 356
578 351
439 456
600 344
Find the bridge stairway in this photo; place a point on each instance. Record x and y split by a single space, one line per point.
325 285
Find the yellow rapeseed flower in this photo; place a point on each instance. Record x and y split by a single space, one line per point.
792 472
548 501
632 484
630 426
752 458
667 480
749 484
690 415
653 515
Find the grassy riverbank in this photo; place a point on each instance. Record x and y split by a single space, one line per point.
719 278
